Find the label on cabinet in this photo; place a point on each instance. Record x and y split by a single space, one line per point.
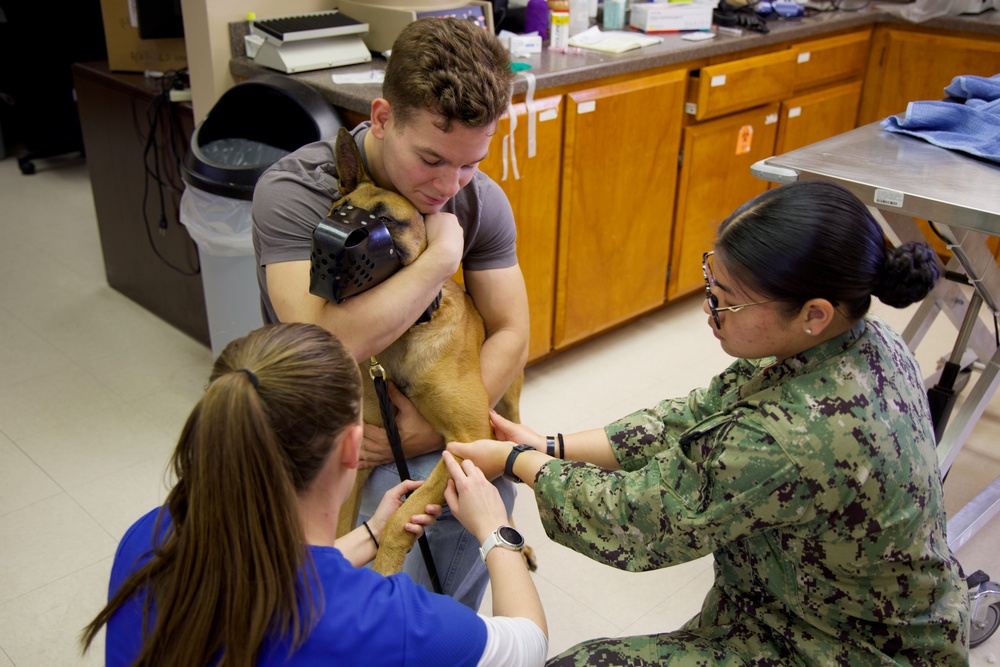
548 114
795 112
804 57
718 80
744 140
586 107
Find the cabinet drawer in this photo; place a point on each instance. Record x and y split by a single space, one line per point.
716 90
832 59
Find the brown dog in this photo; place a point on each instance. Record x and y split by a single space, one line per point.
435 364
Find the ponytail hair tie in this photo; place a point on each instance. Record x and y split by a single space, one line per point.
253 378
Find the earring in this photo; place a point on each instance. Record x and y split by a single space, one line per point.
809 331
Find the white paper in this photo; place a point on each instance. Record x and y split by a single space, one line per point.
374 76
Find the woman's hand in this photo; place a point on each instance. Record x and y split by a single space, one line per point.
471 497
517 433
488 455
392 500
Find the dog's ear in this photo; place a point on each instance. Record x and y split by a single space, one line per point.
350 170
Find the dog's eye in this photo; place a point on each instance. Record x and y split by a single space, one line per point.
385 220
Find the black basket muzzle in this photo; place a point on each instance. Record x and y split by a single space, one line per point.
351 252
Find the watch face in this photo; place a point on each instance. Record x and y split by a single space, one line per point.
511 536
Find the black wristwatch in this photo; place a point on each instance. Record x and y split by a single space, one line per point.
504 536
508 468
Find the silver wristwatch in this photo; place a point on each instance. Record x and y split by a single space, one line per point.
504 536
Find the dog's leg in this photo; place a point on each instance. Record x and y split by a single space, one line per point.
463 426
392 551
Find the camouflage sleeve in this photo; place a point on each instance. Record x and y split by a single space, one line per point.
638 437
718 485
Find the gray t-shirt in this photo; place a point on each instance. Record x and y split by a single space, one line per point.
294 195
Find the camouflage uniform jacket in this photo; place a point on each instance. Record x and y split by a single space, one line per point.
813 481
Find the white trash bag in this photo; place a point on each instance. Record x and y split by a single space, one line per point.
221 226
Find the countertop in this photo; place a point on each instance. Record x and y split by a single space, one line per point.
553 69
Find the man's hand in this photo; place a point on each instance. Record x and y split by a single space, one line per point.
445 240
417 436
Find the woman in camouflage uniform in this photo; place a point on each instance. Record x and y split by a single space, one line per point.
807 468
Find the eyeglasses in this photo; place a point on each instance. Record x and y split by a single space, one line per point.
713 301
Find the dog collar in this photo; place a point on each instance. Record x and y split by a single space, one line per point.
429 312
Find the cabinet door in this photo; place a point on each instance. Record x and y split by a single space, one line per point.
806 119
535 200
907 66
715 180
619 178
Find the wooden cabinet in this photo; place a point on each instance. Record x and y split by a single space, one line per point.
619 174
534 197
811 91
609 227
148 255
908 65
715 179
811 117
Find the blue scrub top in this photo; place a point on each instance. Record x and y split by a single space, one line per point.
367 619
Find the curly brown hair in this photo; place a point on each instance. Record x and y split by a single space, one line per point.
449 67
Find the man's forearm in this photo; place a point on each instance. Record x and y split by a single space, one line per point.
502 358
370 322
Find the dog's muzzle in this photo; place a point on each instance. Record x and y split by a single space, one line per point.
351 252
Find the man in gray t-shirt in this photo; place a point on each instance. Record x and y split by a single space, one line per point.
446 85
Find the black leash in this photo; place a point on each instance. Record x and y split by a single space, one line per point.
388 411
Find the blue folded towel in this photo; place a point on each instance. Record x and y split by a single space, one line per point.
972 127
975 87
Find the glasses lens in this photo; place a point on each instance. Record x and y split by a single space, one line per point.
711 299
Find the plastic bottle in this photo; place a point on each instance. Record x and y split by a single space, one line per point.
578 18
536 18
614 14
559 18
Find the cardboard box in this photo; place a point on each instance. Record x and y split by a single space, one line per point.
670 17
127 52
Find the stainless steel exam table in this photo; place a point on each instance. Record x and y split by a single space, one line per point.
901 178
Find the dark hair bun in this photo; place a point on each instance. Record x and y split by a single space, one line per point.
908 275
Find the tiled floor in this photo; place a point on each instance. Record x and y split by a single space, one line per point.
94 389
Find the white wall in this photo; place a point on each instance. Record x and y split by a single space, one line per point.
206 38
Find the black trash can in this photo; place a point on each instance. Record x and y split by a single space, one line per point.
252 126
